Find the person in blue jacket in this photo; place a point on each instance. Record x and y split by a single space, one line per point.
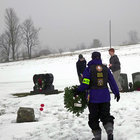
96 78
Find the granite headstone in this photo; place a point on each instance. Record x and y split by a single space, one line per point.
124 82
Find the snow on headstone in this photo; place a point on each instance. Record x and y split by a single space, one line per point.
124 81
25 114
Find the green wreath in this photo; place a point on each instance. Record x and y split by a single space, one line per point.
40 86
76 105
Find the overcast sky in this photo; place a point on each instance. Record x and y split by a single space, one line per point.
68 23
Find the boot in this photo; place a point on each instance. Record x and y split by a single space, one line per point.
109 130
110 137
97 134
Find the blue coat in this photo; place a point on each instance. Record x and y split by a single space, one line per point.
98 95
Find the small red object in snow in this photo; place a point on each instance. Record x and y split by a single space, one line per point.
42 105
41 109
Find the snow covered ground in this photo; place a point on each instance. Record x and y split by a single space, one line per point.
55 123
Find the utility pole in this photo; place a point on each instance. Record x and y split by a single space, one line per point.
110 32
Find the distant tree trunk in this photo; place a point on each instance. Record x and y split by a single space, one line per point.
28 48
5 45
13 29
29 36
30 54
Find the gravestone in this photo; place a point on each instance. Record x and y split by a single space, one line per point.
43 83
124 82
136 77
136 80
25 114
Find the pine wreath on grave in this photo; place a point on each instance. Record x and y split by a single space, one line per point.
40 84
76 105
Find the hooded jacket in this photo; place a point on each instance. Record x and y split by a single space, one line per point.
98 95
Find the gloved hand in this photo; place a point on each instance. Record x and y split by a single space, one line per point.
117 97
76 92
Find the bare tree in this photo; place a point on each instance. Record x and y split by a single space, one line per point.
60 50
29 35
96 43
13 29
133 36
5 45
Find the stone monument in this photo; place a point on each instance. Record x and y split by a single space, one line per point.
124 82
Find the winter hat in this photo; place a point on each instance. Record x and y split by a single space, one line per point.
111 50
80 56
96 55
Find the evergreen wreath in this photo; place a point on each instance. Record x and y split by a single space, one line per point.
70 102
40 84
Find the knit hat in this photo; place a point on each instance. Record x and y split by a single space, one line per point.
80 56
96 55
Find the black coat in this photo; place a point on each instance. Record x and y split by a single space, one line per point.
114 60
80 65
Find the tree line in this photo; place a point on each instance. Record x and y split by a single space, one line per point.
18 40
17 35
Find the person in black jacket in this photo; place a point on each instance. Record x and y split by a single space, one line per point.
115 66
81 65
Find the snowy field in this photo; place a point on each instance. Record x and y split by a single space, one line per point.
55 123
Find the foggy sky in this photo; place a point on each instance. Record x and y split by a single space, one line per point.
68 23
